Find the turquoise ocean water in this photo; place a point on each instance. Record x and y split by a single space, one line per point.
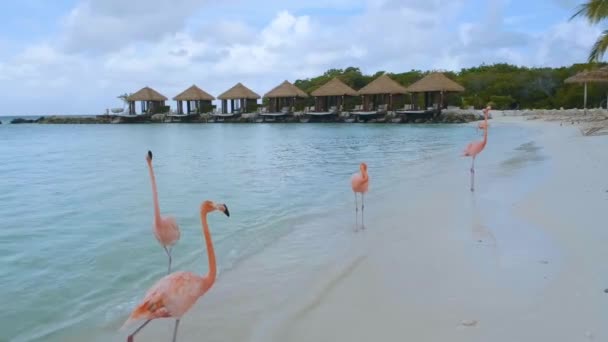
76 245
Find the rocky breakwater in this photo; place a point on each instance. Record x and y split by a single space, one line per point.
61 120
73 120
459 116
448 116
23 121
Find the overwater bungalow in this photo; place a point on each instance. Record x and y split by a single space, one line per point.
282 100
197 101
329 100
151 101
435 87
242 100
379 97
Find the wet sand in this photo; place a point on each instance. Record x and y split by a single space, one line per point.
423 283
521 259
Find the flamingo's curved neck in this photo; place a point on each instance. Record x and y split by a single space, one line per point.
154 194
485 131
364 174
209 279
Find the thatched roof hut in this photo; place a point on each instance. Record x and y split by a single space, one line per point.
147 94
590 76
239 91
434 82
194 94
381 92
331 94
334 87
151 100
246 99
434 86
284 95
286 90
382 85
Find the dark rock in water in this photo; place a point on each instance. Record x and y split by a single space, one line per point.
21 121
606 291
73 120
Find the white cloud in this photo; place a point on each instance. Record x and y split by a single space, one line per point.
102 25
109 47
567 41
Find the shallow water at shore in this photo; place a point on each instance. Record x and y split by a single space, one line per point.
77 208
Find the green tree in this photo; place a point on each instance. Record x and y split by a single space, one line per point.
595 11
508 86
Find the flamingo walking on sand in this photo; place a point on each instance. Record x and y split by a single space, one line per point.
360 184
165 228
474 148
174 294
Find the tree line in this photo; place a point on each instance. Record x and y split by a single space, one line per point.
503 85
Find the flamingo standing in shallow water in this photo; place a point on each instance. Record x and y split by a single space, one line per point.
165 228
174 294
360 184
474 148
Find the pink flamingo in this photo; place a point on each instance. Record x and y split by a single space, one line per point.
360 184
174 294
165 228
474 148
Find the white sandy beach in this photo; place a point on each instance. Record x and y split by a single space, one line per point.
421 284
525 258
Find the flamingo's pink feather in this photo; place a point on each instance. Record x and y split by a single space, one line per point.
167 231
474 148
358 183
172 296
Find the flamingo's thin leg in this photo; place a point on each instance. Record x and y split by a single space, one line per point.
473 174
175 330
130 338
356 212
362 207
169 255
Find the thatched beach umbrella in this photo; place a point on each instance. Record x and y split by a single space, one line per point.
284 94
333 89
381 86
150 100
591 76
435 83
238 92
195 94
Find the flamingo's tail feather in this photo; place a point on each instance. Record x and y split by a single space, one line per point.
140 312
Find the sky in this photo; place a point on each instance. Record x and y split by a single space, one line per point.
77 56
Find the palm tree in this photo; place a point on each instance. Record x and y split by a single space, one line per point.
595 11
124 97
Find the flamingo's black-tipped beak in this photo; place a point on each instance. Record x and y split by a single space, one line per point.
150 155
226 211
